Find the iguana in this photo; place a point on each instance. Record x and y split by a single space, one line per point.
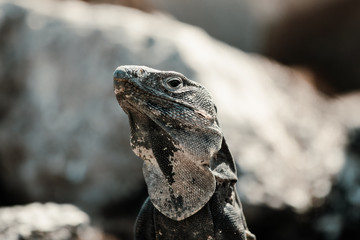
188 168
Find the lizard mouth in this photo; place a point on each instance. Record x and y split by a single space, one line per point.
130 93
117 79
119 85
157 106
126 86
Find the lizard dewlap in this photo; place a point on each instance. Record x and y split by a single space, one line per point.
188 169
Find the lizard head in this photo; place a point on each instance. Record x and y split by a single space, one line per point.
174 129
181 107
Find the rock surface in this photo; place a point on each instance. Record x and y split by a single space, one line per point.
64 138
47 221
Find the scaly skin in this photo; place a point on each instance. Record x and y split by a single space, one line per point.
188 168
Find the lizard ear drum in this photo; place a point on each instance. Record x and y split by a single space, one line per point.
222 164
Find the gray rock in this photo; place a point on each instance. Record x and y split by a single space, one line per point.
63 137
47 221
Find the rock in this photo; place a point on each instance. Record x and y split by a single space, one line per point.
138 4
56 145
65 139
47 221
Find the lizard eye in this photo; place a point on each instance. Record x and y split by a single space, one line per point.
140 72
173 83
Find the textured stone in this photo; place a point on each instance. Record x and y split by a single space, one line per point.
47 221
63 137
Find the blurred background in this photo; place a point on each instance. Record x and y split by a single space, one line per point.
285 76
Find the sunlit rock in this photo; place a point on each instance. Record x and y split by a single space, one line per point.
64 138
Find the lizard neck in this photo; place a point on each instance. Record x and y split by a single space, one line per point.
179 182
185 192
